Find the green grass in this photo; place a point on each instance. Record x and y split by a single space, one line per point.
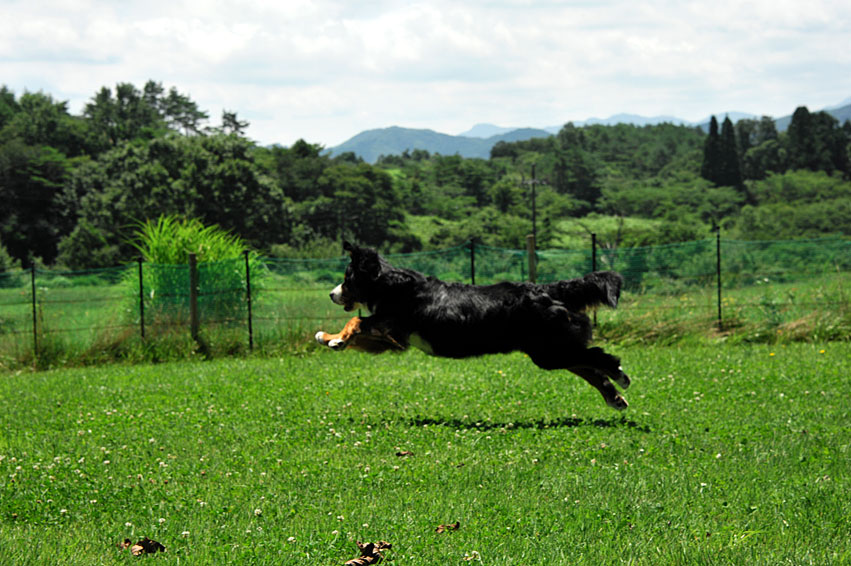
727 455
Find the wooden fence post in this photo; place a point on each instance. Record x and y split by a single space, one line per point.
533 260
472 261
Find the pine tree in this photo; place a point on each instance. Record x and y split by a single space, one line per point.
711 153
729 170
720 156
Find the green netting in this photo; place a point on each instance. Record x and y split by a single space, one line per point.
775 281
751 263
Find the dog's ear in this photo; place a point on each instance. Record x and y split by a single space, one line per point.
368 262
364 260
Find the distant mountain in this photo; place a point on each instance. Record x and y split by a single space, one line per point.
478 141
734 117
485 131
841 113
844 103
371 144
633 119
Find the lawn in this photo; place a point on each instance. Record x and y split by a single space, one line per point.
727 455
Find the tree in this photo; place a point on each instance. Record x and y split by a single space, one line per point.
31 179
212 178
8 105
720 156
132 114
816 142
574 169
764 158
710 169
729 170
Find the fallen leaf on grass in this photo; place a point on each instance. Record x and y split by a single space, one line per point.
369 553
144 546
403 453
451 527
472 556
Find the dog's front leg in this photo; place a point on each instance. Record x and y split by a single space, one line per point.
341 339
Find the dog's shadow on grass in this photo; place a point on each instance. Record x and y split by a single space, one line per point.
540 424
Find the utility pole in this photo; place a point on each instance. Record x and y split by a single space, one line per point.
534 182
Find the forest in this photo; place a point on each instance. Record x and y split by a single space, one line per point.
76 188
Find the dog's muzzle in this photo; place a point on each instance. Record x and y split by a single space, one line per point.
337 295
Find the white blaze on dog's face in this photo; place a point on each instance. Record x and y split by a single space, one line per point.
337 294
338 297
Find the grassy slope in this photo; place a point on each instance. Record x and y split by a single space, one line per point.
728 455
572 233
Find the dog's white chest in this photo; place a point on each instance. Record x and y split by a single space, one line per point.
417 342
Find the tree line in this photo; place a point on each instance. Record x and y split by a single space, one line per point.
75 188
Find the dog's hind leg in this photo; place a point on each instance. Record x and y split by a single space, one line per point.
601 382
608 364
593 365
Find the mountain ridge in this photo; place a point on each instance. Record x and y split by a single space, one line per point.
477 142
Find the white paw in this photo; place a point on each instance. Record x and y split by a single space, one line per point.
319 338
336 344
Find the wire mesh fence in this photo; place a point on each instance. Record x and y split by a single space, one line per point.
765 287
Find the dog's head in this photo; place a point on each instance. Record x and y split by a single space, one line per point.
359 282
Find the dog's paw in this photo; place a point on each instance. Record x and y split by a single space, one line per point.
617 402
622 379
320 337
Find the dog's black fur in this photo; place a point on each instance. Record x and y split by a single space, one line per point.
455 320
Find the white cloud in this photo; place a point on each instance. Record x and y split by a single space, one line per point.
324 70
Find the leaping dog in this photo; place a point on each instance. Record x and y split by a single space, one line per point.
454 320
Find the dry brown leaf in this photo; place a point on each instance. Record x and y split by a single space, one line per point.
404 453
146 546
369 553
451 527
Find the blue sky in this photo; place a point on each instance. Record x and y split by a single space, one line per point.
325 70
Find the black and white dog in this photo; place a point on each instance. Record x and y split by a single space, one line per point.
455 320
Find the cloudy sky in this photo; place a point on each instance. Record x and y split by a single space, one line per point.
325 70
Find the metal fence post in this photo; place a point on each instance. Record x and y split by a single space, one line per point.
594 263
141 301
194 321
248 302
35 316
718 273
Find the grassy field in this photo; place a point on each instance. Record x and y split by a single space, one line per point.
727 455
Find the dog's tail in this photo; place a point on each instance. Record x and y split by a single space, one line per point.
597 288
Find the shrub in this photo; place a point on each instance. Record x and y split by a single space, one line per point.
165 245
